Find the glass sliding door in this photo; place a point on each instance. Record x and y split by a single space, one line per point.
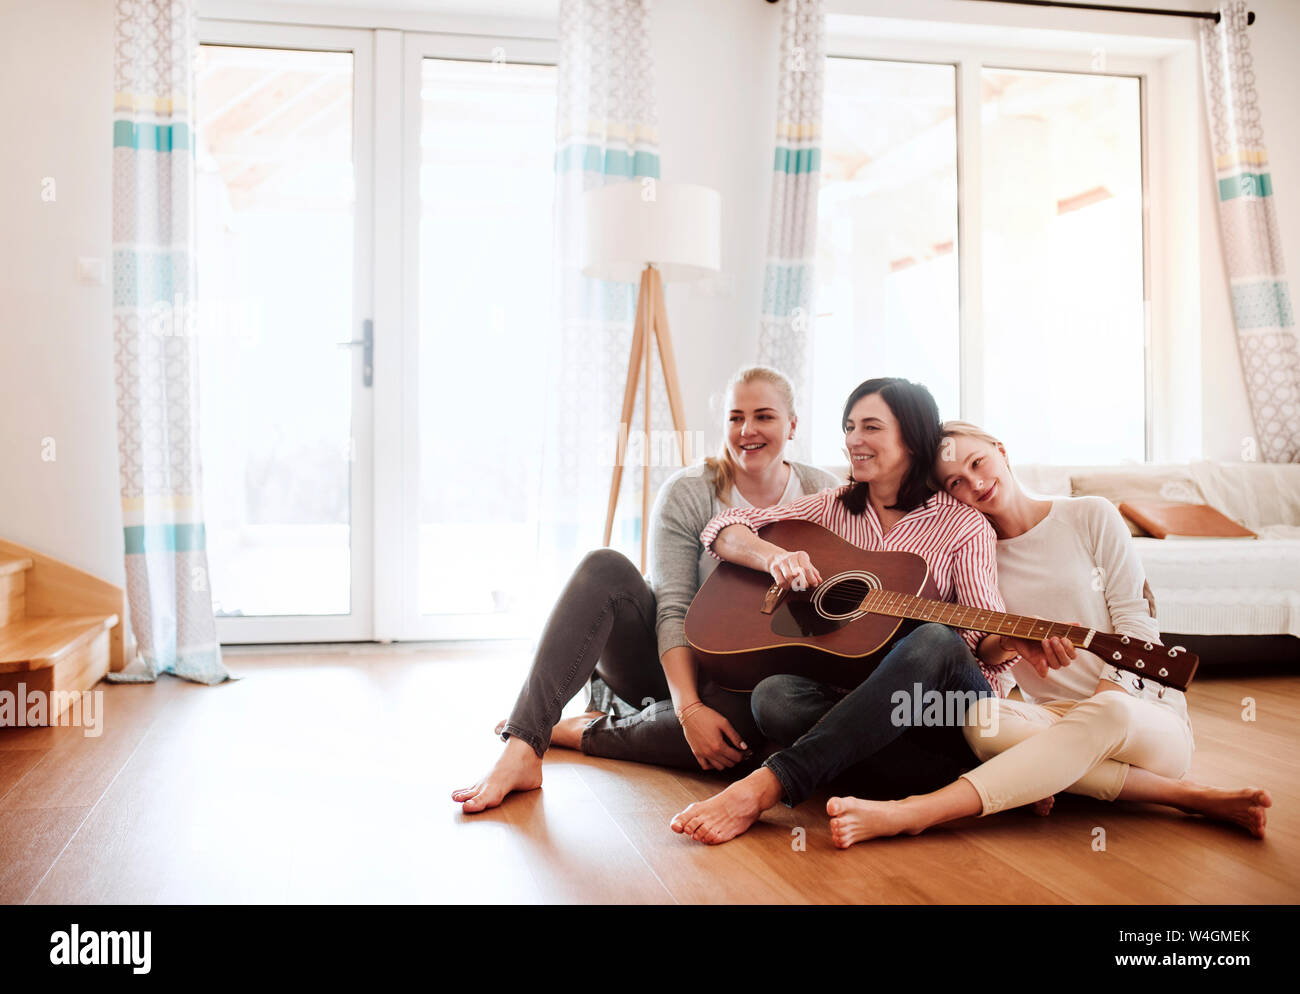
479 192
283 253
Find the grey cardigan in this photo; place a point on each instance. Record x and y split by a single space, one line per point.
685 504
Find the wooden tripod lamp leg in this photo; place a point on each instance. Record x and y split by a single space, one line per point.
629 398
669 364
652 275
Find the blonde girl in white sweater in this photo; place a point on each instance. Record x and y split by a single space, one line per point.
1085 726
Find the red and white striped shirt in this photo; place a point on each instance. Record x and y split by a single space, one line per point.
957 543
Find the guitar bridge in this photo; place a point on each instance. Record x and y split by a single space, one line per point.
775 595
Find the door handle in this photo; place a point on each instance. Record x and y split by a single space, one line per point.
367 343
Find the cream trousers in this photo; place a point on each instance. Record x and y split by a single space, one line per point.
1084 747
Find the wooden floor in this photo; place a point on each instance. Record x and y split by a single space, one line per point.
323 775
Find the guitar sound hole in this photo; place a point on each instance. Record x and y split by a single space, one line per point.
844 596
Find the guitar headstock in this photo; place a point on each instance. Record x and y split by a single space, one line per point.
1172 666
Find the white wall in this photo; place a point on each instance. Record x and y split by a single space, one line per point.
56 336
716 79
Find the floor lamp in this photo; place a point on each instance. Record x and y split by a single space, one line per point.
649 231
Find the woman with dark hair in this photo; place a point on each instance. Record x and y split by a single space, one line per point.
891 432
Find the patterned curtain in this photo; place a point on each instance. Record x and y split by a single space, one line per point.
786 321
606 132
154 324
1261 302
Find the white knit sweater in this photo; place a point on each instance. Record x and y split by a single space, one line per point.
1078 565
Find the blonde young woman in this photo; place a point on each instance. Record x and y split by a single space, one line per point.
610 621
1084 726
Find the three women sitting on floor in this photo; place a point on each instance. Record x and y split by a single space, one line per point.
942 491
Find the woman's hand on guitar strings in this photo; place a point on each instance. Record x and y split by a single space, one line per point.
793 570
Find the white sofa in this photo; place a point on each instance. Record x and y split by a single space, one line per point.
1208 587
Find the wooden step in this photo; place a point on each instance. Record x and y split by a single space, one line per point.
13 588
48 664
38 643
55 589
10 564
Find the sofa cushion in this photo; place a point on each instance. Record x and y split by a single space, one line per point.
1173 484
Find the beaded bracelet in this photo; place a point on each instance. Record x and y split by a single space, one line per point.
687 711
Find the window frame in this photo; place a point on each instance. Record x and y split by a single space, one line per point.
968 60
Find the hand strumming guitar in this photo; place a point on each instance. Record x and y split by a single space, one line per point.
792 570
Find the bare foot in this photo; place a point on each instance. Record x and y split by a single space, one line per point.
518 768
1043 808
855 820
724 816
1246 807
567 732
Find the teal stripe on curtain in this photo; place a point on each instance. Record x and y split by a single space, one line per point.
798 160
143 277
144 136
169 538
607 161
786 286
1266 304
1246 185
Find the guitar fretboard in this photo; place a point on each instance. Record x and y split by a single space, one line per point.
900 605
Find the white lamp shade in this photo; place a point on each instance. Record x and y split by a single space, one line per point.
676 226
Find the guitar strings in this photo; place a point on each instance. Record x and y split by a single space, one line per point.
844 597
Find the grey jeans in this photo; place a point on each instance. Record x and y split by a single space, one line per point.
604 623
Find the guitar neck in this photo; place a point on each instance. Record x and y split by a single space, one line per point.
900 605
1173 667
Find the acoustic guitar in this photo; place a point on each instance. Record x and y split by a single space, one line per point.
744 628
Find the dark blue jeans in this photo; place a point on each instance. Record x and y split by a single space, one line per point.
872 735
